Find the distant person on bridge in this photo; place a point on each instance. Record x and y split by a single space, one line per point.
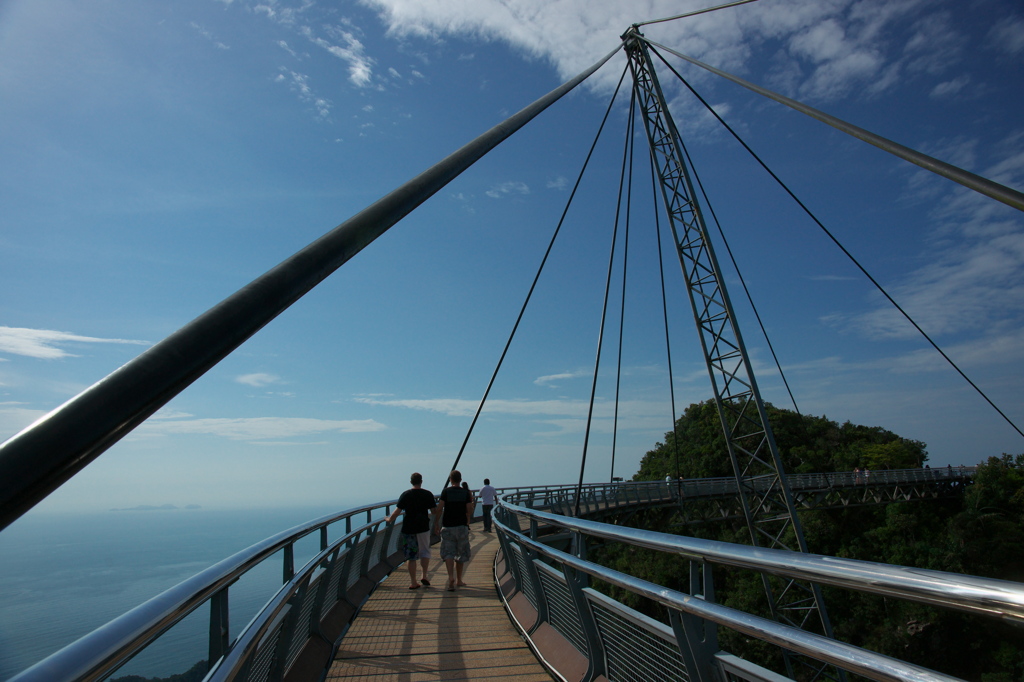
417 504
454 511
488 495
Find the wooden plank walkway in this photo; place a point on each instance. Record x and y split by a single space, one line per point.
431 634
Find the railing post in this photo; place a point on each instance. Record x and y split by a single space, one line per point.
576 581
364 567
323 538
288 569
533 575
579 550
219 631
697 638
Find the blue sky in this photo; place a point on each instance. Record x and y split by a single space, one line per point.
158 156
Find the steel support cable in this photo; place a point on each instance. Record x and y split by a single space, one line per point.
664 311
622 308
43 456
842 248
604 306
990 188
694 13
540 269
735 265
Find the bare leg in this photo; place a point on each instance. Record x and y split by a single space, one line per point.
458 572
412 573
450 565
424 564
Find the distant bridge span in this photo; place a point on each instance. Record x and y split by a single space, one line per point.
721 495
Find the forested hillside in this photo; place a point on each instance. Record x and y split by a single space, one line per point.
982 534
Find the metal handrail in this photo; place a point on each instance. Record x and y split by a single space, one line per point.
987 596
847 656
102 651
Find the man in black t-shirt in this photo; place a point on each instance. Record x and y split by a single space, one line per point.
454 510
417 504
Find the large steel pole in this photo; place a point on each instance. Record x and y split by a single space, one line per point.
765 497
36 461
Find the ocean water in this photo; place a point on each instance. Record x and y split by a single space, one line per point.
64 576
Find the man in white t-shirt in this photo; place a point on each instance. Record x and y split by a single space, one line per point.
487 497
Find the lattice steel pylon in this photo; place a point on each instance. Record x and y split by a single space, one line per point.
769 510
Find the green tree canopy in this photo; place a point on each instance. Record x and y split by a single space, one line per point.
808 444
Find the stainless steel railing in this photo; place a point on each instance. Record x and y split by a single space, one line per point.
316 601
341 574
544 576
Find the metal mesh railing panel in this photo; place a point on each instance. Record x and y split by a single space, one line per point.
356 568
333 580
393 543
302 628
263 659
378 545
562 612
634 653
526 585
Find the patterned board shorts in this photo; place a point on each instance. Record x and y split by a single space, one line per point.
455 543
415 546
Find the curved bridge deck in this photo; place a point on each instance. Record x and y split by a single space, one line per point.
432 634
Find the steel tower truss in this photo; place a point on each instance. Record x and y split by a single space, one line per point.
768 509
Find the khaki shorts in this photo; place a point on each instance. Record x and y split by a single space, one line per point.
455 543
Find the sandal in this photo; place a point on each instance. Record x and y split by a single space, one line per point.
424 581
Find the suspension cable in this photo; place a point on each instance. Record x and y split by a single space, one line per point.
536 278
695 13
1006 195
838 244
604 310
622 309
664 312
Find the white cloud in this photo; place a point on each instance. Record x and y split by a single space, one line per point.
558 183
507 188
837 44
299 84
350 50
45 343
457 407
256 428
209 36
284 46
1008 35
258 379
949 88
551 378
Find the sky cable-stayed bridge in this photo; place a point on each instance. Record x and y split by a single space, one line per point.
546 588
